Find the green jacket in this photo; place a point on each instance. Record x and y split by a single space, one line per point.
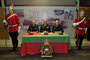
33 28
45 27
57 28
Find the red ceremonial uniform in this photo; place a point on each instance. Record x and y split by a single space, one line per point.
81 25
13 22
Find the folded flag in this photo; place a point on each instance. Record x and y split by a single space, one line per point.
77 4
2 4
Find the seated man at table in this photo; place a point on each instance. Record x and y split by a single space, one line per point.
57 28
45 28
33 28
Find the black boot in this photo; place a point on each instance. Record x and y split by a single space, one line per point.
76 43
80 45
16 45
13 47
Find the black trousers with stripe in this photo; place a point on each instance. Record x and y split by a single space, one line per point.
14 36
79 40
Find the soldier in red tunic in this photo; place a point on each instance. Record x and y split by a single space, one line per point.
13 22
80 25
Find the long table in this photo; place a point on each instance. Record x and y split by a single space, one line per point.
31 44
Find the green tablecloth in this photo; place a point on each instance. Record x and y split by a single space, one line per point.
51 37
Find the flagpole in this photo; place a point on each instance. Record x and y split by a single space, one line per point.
3 6
78 12
77 9
6 27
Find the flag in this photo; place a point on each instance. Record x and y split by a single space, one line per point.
2 4
77 4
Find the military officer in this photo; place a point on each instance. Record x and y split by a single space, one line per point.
57 28
45 27
33 27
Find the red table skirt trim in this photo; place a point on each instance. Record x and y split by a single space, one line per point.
27 34
34 48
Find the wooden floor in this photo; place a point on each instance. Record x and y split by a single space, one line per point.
73 54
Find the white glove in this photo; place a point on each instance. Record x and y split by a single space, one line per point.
5 22
85 30
75 24
19 27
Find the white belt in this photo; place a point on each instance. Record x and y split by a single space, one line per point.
81 28
12 25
